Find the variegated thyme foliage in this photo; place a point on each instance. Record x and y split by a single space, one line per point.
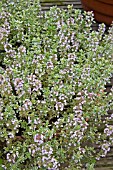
53 72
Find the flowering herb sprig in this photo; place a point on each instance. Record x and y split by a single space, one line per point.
53 72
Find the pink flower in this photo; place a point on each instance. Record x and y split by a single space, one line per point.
39 138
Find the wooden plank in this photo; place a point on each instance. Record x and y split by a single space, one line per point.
104 168
58 3
46 4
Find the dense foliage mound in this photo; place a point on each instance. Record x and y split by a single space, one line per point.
53 72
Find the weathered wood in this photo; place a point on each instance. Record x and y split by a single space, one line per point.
104 168
46 4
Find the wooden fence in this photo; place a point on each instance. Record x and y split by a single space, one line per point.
107 162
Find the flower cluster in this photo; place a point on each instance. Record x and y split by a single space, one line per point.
105 149
53 101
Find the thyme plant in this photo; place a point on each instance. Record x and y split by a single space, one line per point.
53 72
